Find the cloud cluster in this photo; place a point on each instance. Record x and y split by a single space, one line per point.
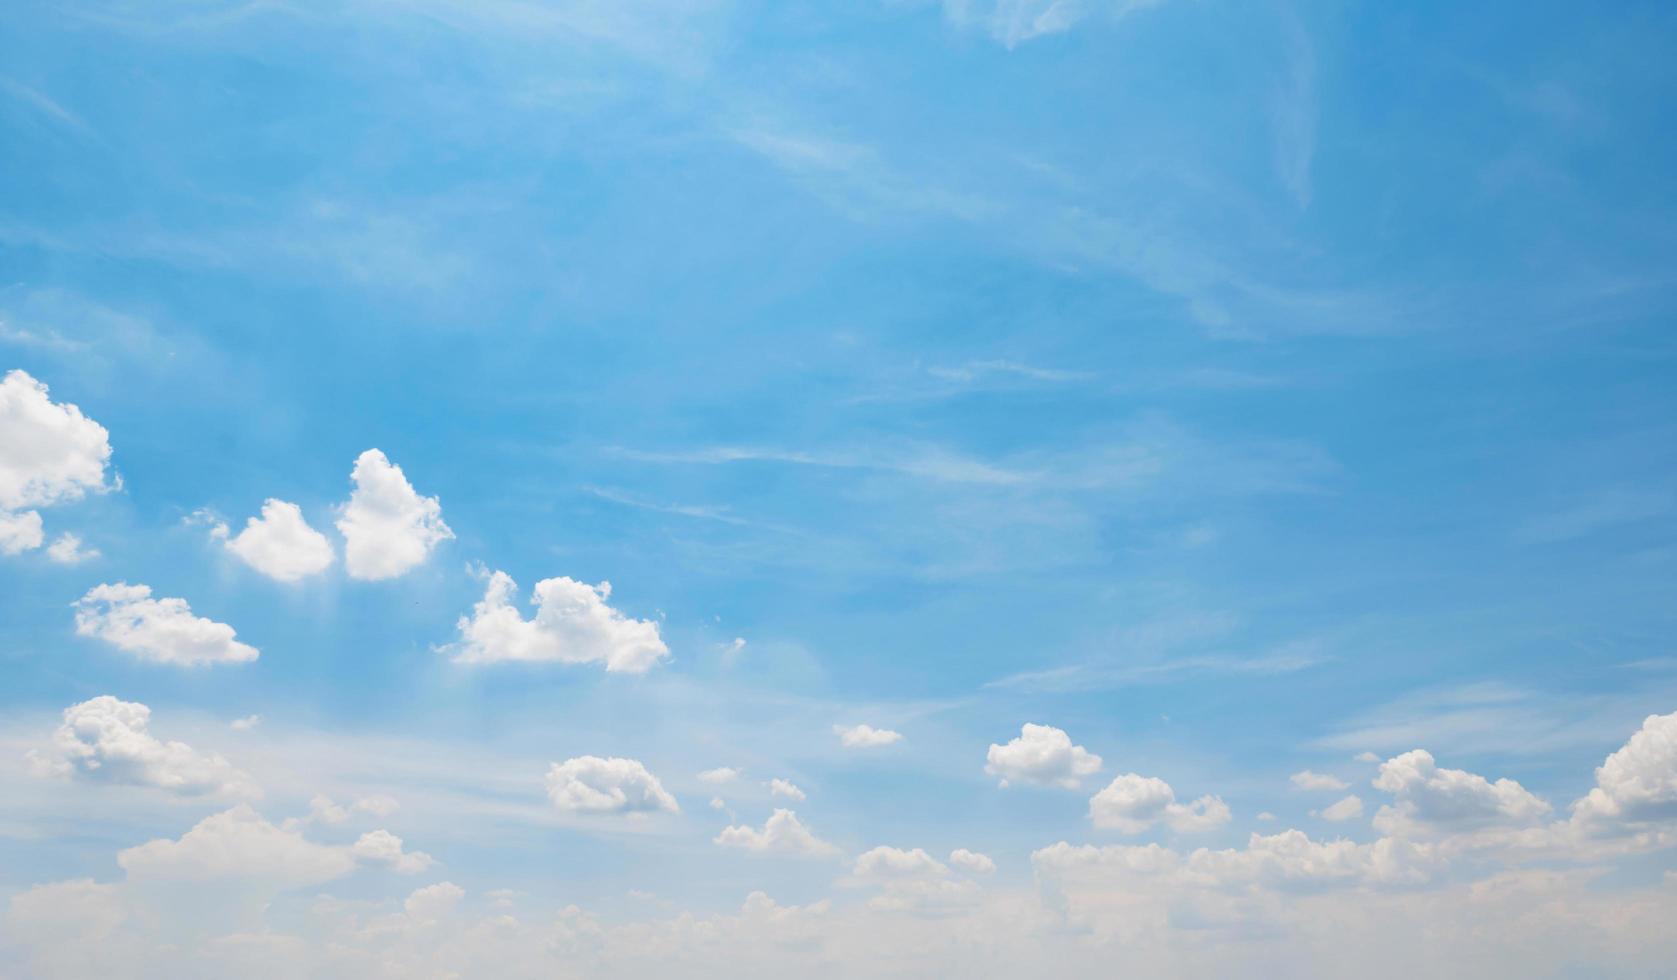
160 630
1430 800
105 739
1042 755
590 784
1131 804
782 834
50 453
572 624
238 844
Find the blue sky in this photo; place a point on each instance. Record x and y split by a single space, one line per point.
1234 388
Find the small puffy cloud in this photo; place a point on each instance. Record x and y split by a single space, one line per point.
717 803
20 532
245 724
911 881
163 630
68 550
590 784
1044 756
322 809
238 844
1349 808
433 901
1132 803
971 861
50 453
1638 782
1429 799
382 848
388 527
891 862
781 834
1315 781
572 624
280 543
719 775
105 739
786 788
865 736
1365 757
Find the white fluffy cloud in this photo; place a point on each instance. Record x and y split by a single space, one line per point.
1042 755
1639 781
1429 800
433 902
1132 803
719 775
971 861
107 740
280 543
782 834
865 736
20 532
786 788
163 630
1349 808
68 550
891 862
1313 781
50 453
382 848
911 881
590 784
388 527
238 844
573 625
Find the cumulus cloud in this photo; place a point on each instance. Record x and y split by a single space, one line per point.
910 881
1638 782
1313 781
891 862
433 902
245 724
50 453
572 624
786 788
971 861
382 848
782 834
20 532
1349 808
105 739
388 527
238 844
162 630
1044 756
280 543
1132 803
590 784
865 736
1429 799
68 550
719 775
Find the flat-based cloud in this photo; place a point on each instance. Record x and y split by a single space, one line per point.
573 624
160 630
